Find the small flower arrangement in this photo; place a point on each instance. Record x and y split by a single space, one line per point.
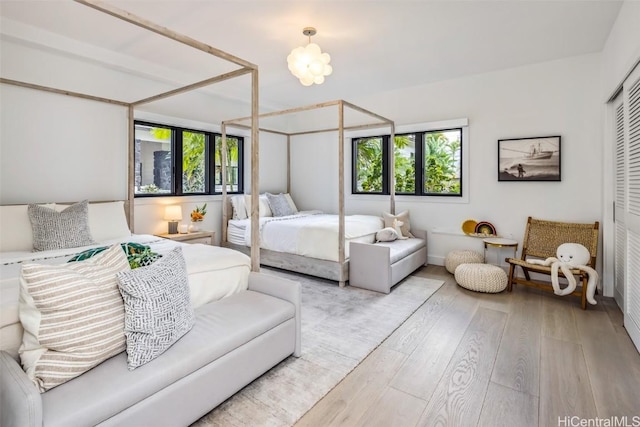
198 213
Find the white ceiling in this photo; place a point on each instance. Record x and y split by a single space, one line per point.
375 46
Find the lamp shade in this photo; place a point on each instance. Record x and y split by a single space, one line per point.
308 63
173 213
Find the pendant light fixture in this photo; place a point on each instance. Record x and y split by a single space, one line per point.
308 63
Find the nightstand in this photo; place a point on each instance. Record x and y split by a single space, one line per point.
206 237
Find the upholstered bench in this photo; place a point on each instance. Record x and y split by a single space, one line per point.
455 258
379 266
481 277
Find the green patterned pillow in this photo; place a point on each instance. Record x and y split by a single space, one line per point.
138 255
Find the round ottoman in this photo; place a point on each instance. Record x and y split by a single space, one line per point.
455 258
481 277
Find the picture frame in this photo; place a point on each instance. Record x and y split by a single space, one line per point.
529 159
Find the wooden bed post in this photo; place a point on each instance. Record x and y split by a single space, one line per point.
132 168
341 243
289 164
255 174
223 180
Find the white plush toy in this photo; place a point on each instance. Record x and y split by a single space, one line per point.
570 256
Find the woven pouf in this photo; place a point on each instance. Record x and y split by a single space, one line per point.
455 258
481 277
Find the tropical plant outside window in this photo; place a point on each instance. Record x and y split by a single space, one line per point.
157 165
425 163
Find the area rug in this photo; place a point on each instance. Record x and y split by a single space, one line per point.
340 327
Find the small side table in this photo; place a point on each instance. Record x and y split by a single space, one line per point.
499 243
206 237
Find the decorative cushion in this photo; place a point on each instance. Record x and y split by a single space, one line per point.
107 220
481 277
138 255
239 208
279 204
60 230
388 234
157 305
72 315
15 228
402 217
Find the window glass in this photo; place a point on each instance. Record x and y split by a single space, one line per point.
233 156
368 161
443 162
405 163
153 160
193 162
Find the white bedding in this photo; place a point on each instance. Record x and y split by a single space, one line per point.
311 233
213 272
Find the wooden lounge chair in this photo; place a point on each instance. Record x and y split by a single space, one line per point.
541 240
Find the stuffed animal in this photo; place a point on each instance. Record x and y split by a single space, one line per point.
570 256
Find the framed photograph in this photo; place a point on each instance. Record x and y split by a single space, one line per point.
529 159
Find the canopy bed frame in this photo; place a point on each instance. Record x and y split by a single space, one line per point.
245 68
339 270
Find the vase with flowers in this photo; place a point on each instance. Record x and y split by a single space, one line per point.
197 215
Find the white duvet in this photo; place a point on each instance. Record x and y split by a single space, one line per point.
313 234
214 273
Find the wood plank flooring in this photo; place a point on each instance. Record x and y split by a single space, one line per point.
521 359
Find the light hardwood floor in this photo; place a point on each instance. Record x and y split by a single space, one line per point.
515 359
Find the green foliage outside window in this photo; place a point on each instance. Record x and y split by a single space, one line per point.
442 162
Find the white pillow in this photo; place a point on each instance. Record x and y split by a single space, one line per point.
239 208
403 217
15 228
290 200
107 221
265 210
388 234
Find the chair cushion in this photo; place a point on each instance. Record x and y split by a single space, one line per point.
400 249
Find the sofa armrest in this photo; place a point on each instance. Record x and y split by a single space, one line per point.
285 289
20 401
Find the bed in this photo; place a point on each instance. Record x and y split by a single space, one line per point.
349 117
213 272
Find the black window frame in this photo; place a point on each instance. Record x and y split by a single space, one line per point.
210 166
419 167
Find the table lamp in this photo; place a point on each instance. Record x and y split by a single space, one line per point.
173 214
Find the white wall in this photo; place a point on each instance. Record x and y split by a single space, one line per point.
554 98
57 148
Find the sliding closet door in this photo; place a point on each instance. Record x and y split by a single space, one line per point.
631 98
620 201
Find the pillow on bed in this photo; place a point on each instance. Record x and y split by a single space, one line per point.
91 314
138 255
239 208
388 234
279 205
402 217
294 208
60 230
107 220
157 306
265 210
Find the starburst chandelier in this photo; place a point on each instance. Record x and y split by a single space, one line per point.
308 63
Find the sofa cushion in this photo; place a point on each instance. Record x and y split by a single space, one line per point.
73 317
157 307
109 388
403 217
402 248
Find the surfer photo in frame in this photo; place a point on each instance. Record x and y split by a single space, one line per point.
529 159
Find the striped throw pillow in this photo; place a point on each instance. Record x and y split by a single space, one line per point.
72 315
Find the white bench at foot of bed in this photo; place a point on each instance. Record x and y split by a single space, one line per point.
380 266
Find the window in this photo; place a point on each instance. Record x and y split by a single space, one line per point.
426 163
174 161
